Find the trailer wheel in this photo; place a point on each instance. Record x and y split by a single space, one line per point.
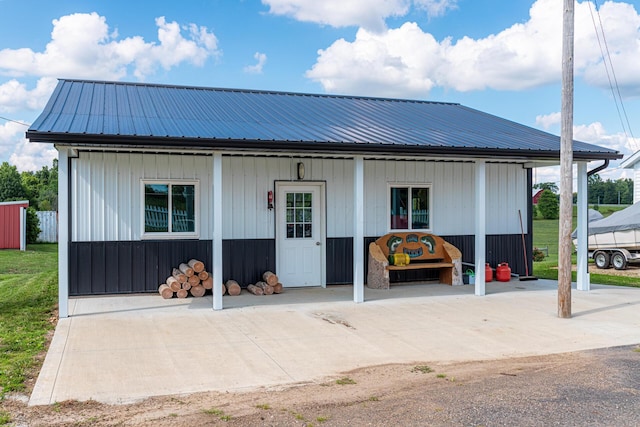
619 261
601 259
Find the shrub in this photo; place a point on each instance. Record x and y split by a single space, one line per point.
33 226
538 255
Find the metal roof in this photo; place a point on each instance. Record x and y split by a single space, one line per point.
122 114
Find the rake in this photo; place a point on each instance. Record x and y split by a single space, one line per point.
524 251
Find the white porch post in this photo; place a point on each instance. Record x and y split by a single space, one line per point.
23 229
583 230
481 225
63 233
217 231
358 229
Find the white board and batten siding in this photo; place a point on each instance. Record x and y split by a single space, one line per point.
453 195
107 193
247 181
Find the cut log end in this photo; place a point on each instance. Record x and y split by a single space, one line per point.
198 266
165 291
208 282
233 288
186 269
197 291
270 278
173 283
277 289
182 293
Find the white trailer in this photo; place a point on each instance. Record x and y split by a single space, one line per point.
614 241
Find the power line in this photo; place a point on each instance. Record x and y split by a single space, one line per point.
14 121
608 65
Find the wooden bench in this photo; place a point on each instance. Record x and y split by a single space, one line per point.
425 251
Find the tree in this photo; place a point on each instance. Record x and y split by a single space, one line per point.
33 226
41 187
30 185
551 186
10 184
548 205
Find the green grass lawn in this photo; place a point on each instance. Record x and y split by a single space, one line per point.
28 299
545 235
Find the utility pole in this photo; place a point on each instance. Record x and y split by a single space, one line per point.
566 165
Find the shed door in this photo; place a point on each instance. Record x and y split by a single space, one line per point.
300 234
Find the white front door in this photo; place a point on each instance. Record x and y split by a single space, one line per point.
300 234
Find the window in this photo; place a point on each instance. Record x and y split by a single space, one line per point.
170 208
299 215
409 207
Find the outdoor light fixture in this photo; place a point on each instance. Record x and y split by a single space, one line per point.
300 170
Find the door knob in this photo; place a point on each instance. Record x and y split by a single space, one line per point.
317 243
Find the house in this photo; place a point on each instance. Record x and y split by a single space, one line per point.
633 162
299 184
13 225
535 195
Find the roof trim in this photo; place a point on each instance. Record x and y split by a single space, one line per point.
304 146
630 162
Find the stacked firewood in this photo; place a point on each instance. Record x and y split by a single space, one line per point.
269 285
188 278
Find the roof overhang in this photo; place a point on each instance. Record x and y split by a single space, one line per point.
354 148
631 161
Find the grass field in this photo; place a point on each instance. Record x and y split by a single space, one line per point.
545 235
28 298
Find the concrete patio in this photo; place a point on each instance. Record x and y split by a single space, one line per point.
121 349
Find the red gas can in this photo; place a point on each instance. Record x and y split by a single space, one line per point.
488 273
503 272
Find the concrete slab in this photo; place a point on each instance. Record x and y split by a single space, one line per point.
127 348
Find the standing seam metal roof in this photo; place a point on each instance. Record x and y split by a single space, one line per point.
115 112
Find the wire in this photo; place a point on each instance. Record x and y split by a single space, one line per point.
14 121
608 65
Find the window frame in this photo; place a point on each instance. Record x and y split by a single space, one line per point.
171 234
409 187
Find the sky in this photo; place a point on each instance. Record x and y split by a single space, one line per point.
500 57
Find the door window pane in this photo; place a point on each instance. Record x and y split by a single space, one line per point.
299 223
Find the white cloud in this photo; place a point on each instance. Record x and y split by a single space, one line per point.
399 62
595 133
548 120
368 14
82 46
436 7
24 155
15 96
409 61
32 156
257 68
340 13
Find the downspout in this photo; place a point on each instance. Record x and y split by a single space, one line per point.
598 169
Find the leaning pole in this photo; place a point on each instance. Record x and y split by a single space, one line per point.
566 165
